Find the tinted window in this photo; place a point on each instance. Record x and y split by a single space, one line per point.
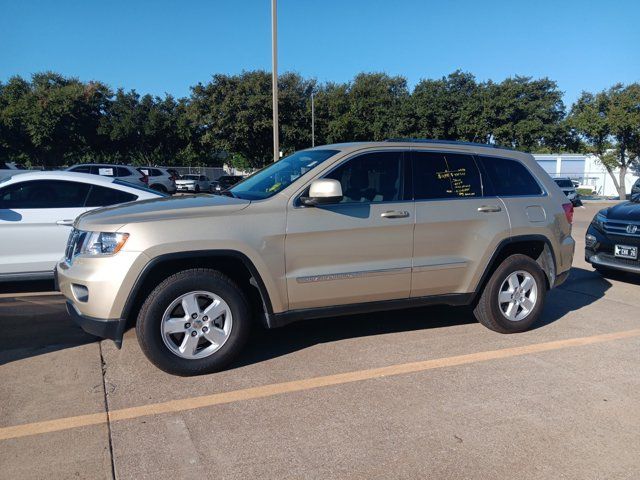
104 170
44 194
445 175
150 172
509 177
564 183
103 196
123 172
82 169
372 177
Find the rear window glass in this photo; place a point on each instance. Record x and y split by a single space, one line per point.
509 177
103 196
445 175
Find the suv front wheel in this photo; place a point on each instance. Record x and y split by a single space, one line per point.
194 322
513 298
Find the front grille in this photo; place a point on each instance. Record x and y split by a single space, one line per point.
619 227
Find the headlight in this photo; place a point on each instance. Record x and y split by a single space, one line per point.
599 220
103 243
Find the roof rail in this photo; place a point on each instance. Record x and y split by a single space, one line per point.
446 142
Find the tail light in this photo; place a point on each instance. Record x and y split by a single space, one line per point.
144 179
568 211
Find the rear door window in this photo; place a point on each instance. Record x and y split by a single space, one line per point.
508 177
104 170
123 172
438 175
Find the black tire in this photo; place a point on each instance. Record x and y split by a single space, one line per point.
158 188
488 312
149 331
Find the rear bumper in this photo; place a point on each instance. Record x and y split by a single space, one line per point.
111 329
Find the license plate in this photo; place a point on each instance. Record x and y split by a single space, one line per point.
624 251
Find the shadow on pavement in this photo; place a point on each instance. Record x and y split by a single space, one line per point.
27 287
268 344
36 325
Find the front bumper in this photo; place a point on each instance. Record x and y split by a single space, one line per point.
111 329
97 290
601 253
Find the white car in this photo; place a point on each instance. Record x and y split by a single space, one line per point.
37 210
193 183
125 173
160 179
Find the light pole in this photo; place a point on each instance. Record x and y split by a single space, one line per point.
313 123
274 74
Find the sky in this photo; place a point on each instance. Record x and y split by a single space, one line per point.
167 46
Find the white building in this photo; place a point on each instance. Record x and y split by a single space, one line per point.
586 169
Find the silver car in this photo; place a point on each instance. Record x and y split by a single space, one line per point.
193 183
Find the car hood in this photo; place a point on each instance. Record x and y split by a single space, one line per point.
629 211
110 219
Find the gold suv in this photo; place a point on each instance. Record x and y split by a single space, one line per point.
328 231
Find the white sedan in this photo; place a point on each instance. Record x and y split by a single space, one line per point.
193 183
37 210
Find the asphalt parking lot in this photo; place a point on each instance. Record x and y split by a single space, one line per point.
423 393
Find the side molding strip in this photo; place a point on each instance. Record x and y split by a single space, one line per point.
350 275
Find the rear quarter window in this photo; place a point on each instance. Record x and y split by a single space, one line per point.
508 177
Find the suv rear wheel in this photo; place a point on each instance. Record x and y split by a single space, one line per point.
194 322
513 298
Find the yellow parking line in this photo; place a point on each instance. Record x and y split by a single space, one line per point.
299 385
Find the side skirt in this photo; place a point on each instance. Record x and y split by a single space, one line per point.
275 320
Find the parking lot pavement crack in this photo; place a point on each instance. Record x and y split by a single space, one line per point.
103 367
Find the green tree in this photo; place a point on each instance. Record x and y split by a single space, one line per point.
609 124
523 113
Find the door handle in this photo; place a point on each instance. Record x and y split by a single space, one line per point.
65 222
489 208
395 214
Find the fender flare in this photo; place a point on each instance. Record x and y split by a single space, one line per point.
548 267
255 280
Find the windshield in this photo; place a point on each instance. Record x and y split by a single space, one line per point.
190 177
279 175
564 183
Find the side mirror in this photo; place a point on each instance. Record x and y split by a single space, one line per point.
324 191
